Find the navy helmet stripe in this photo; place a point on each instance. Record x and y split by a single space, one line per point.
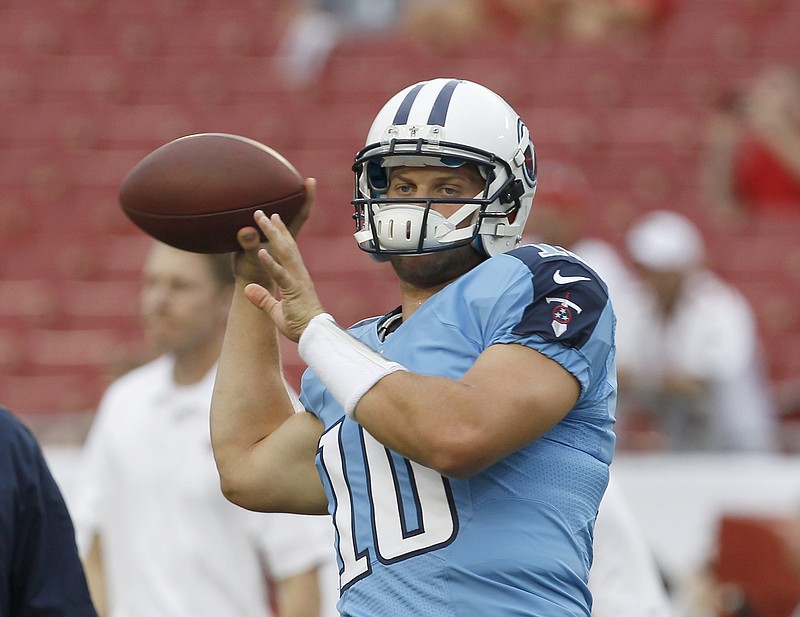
442 104
401 117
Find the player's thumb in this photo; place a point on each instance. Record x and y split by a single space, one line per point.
261 299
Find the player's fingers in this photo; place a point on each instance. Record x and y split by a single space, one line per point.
261 298
275 231
299 298
279 232
246 265
249 238
276 271
282 245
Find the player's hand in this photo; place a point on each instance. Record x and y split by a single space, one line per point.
281 259
246 264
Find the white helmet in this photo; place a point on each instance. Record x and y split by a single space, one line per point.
445 122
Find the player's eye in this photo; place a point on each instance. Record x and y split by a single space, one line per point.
402 189
452 190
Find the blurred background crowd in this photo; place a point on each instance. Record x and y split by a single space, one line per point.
668 141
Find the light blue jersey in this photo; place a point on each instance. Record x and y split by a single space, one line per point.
516 538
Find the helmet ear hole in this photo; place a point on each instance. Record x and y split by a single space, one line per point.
377 177
514 192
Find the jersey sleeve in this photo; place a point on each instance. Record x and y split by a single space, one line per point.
559 306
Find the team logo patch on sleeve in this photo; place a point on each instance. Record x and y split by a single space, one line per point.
568 297
562 313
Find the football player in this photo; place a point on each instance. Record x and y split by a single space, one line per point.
462 441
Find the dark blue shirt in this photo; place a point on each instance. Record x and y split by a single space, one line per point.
40 572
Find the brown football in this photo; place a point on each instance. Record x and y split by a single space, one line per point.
196 192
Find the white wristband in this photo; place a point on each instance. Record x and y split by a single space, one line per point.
348 367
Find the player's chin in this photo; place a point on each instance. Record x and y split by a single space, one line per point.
435 269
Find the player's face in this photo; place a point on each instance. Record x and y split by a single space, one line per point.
462 182
434 269
182 304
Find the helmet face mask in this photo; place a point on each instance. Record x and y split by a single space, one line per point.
444 123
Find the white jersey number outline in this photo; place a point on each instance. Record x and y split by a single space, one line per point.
393 541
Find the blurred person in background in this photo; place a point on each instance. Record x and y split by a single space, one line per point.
40 571
318 26
158 536
688 349
752 172
446 25
625 579
753 158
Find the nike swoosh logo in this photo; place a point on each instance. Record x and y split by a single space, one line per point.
563 280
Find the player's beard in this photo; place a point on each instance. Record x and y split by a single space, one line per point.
437 268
